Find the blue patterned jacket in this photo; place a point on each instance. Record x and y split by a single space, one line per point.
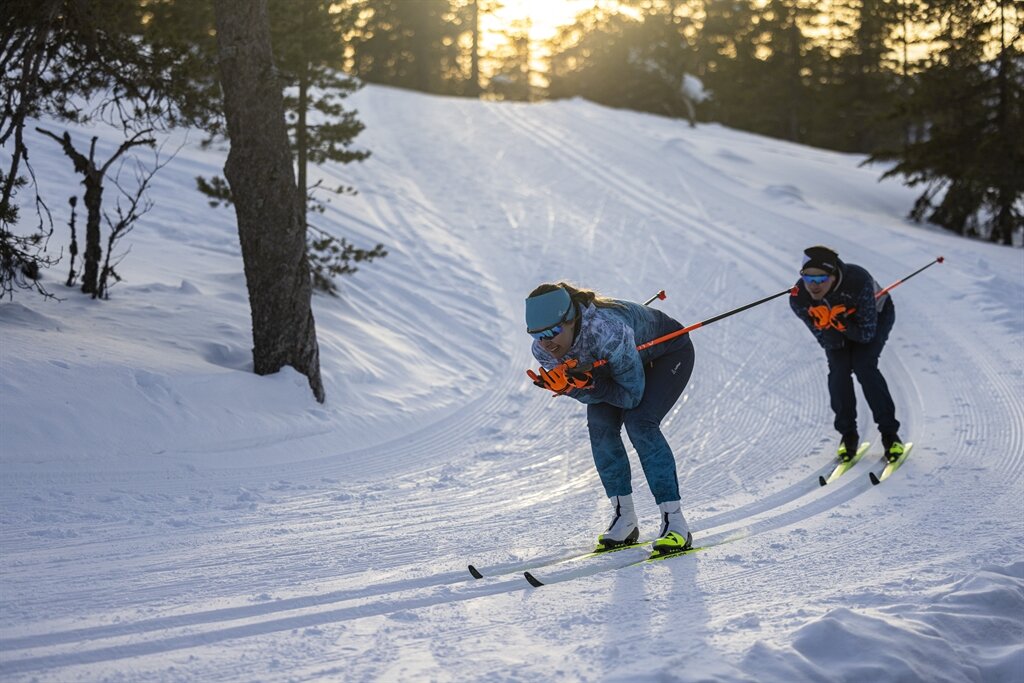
614 333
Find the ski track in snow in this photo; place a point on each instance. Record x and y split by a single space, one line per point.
351 564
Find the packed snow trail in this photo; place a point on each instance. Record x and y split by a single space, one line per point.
165 514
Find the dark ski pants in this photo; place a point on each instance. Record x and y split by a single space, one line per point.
665 379
862 360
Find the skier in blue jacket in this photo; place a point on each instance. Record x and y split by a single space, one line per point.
573 328
837 301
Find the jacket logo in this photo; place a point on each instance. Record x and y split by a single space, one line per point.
825 317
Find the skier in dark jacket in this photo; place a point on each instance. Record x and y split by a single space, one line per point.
572 329
837 301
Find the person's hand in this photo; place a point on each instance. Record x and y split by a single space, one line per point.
581 376
562 378
820 315
835 317
554 379
841 316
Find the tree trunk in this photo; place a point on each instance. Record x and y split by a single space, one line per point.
268 207
474 60
92 178
93 249
301 139
1006 194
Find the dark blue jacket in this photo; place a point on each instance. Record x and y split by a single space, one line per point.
853 294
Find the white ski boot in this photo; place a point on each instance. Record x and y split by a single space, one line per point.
675 532
623 529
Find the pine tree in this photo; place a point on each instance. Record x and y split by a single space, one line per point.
310 54
510 65
785 92
863 80
623 60
728 62
414 45
268 205
969 104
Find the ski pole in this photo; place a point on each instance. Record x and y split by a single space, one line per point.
660 295
940 259
691 328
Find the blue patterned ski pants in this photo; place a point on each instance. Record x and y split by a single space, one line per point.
665 379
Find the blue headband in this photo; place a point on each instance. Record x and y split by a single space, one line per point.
548 309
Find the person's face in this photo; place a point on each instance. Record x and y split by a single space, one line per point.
816 289
559 345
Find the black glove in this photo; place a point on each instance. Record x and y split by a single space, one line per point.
841 317
580 376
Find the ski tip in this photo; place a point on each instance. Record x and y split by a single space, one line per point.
821 481
475 572
874 478
532 580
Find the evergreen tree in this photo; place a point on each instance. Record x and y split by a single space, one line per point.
970 102
625 59
510 65
789 68
728 62
309 58
474 13
863 78
414 45
268 205
310 54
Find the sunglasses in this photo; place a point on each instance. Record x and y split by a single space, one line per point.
815 279
549 333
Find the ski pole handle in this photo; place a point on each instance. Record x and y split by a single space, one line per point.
691 328
940 259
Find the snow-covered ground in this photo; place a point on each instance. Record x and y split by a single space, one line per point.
166 515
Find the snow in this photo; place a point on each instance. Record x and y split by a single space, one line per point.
166 515
693 88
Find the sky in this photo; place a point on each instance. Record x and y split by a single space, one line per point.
544 16
167 515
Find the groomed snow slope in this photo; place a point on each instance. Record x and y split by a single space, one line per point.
165 515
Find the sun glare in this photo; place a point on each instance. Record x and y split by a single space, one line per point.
544 16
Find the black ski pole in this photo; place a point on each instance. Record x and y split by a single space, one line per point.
691 328
940 259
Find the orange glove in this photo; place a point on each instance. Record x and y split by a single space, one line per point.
835 317
562 378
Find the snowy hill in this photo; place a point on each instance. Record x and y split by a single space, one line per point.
167 515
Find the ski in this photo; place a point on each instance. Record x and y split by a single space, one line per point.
648 558
845 466
625 559
476 573
527 568
891 467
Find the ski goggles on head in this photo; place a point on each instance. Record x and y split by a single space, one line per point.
815 279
